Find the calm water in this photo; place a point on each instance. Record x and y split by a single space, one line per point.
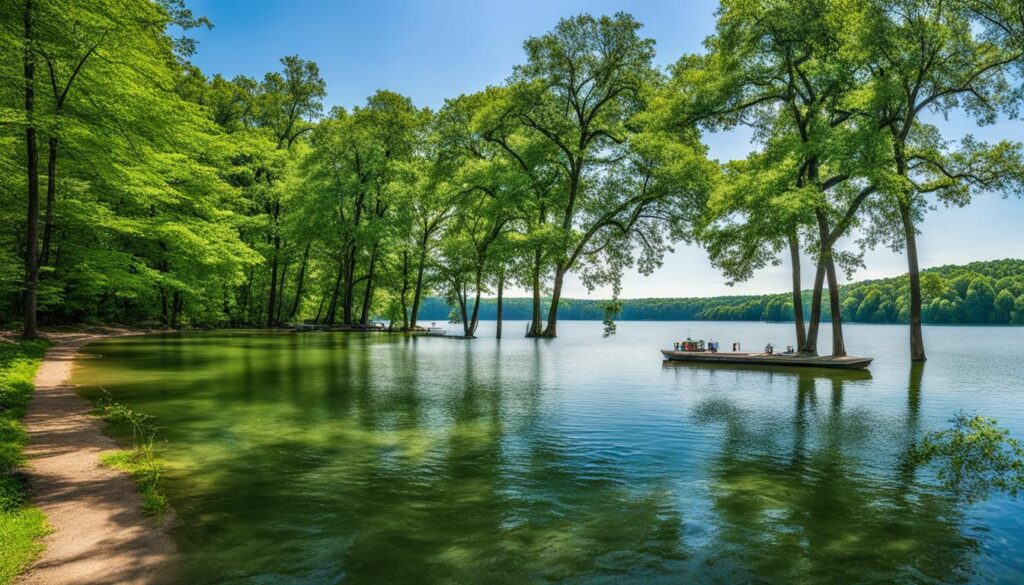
330 458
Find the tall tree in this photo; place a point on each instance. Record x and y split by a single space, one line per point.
936 57
581 87
787 70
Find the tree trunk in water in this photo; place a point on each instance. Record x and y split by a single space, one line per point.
348 299
404 292
280 293
460 294
320 306
364 317
272 304
556 295
301 282
30 329
798 299
418 292
535 330
51 199
501 292
332 309
812 329
916 338
474 320
838 346
825 253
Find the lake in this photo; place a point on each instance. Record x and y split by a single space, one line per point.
374 458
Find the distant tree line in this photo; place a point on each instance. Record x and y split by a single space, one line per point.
979 293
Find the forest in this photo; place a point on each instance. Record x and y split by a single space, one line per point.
137 189
979 293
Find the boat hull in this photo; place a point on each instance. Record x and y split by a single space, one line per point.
773 360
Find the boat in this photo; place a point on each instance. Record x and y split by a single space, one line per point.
786 360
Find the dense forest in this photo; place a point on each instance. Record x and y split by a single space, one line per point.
979 293
137 189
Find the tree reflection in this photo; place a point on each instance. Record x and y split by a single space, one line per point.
806 502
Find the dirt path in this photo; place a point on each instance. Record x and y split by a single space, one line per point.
99 533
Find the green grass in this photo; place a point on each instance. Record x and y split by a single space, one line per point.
21 525
141 461
145 468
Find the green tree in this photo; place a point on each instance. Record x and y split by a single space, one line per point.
935 57
581 87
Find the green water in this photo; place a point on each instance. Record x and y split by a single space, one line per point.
347 458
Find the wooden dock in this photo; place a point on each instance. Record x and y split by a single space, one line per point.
849 362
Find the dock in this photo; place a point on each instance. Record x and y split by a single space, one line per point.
849 362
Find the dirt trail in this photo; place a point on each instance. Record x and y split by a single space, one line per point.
99 533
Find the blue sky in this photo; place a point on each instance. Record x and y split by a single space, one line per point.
442 48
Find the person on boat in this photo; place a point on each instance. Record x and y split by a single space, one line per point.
712 346
768 349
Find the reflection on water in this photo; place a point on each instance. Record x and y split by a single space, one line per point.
375 459
794 500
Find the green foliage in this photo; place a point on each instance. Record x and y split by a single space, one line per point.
179 199
974 458
21 525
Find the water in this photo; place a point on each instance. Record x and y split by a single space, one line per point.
330 458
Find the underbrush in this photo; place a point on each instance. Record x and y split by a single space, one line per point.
21 525
140 461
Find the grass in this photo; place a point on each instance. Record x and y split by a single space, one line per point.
21 525
140 461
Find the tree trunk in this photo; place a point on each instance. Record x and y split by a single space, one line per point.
280 293
556 295
332 309
299 285
51 198
535 317
838 345
916 338
320 306
364 317
460 297
418 292
798 299
348 299
474 320
811 346
272 304
403 293
825 252
498 316
30 329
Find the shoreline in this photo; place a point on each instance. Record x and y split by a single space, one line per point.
99 534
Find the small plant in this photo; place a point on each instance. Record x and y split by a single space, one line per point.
141 461
975 457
